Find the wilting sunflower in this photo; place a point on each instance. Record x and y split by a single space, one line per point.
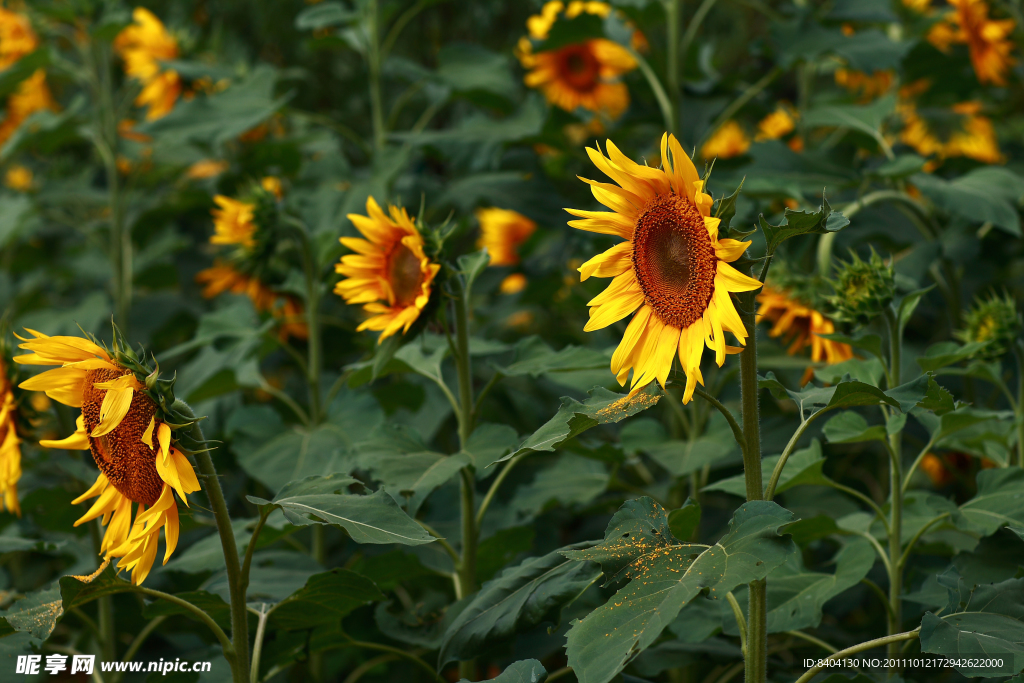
501 232
672 270
800 325
389 273
990 41
728 141
128 422
580 75
287 309
143 45
10 444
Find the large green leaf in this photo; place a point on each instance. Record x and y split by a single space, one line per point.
866 119
795 223
525 671
325 599
851 427
944 354
534 358
987 194
984 620
517 599
802 467
664 576
846 394
999 501
374 518
572 479
796 595
211 603
574 418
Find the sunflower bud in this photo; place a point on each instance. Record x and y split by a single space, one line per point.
994 320
862 289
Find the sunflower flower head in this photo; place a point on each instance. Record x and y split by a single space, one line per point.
862 289
502 231
729 141
19 178
989 41
17 38
867 86
389 272
247 221
960 131
996 321
10 441
137 435
286 309
671 272
777 124
791 304
143 45
584 75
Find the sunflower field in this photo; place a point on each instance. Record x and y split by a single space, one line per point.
422 341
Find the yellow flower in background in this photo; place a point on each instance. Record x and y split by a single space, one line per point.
10 445
866 86
206 168
975 138
287 309
779 123
990 41
31 95
513 284
233 222
135 451
921 6
581 75
143 45
501 233
672 269
800 326
728 141
17 38
18 178
272 185
389 272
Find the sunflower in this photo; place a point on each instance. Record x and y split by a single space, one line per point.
579 75
124 423
31 95
990 41
206 168
389 272
866 86
17 38
142 45
728 141
10 444
779 123
801 326
672 270
973 135
233 221
288 310
19 178
501 233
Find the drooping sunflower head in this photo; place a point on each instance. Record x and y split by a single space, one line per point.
501 233
135 432
285 308
996 321
248 220
389 273
989 41
671 271
862 289
582 75
17 38
142 45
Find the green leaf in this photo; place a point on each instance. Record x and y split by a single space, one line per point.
869 371
997 558
984 620
571 480
989 194
415 476
467 67
851 427
846 394
923 392
865 119
944 354
725 211
999 500
212 604
487 444
574 418
497 551
795 223
518 599
471 265
684 522
375 518
37 613
535 358
908 304
796 596
802 467
525 671
903 166
12 76
665 577
871 343
323 15
324 600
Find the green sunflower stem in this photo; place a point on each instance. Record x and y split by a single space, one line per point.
374 58
895 492
673 10
1018 352
238 582
756 659
105 605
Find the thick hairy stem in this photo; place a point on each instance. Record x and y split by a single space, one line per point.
237 583
756 660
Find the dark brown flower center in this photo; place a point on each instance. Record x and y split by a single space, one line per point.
129 464
578 67
674 260
404 274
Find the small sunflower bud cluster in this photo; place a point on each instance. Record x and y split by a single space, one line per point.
862 289
996 321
